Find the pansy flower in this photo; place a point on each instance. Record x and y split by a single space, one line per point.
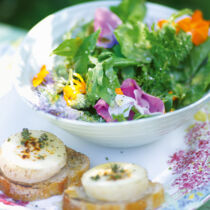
106 21
132 96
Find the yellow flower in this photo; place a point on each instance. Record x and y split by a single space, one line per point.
76 87
39 78
81 85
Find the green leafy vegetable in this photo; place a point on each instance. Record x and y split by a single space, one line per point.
168 48
133 42
68 47
87 47
78 51
196 58
130 10
102 81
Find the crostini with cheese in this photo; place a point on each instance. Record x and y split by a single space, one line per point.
36 165
118 186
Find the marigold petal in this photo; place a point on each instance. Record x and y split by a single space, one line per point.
39 78
78 76
81 86
70 93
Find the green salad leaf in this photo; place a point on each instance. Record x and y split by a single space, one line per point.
78 50
87 47
196 58
133 42
102 81
200 84
130 10
68 48
168 49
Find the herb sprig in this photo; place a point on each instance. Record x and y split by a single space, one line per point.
26 135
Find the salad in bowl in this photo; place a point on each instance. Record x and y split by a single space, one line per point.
117 67
116 73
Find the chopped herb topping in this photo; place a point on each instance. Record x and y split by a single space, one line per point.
116 173
95 178
43 140
115 168
8 139
107 158
25 134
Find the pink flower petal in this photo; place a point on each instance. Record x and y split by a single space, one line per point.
106 21
102 110
130 88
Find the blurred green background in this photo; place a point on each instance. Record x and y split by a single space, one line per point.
26 13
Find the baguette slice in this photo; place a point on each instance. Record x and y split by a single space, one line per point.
77 164
76 199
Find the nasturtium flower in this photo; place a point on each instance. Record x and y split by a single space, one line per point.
40 77
106 21
195 25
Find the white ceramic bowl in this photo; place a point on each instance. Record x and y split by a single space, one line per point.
35 51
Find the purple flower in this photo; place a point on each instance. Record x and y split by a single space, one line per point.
48 79
153 104
106 21
133 97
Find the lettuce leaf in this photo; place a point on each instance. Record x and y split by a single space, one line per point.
78 50
196 58
130 10
133 42
87 47
68 48
102 81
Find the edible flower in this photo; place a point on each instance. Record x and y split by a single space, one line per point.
40 77
197 26
102 109
76 87
132 96
106 21
152 104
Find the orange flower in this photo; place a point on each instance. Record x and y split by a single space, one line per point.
39 78
77 86
118 91
162 22
197 26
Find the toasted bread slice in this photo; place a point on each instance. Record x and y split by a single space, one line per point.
76 199
77 164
